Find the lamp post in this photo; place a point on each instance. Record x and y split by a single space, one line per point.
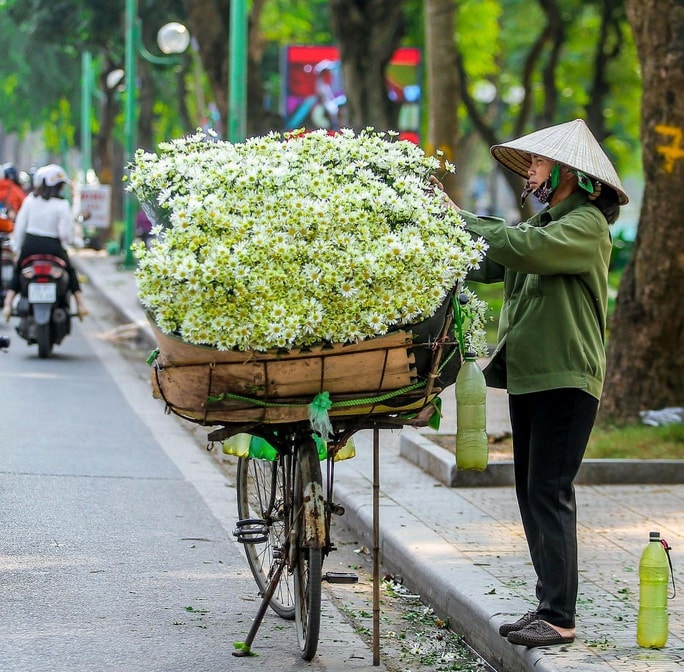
86 100
173 38
237 85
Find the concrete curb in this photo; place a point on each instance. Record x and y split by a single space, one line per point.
429 456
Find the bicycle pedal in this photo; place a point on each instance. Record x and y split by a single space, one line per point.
251 531
341 577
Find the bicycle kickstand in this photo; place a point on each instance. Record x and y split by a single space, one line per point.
245 648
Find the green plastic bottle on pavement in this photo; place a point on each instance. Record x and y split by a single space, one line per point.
654 573
472 448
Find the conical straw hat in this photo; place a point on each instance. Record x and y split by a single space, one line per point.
571 144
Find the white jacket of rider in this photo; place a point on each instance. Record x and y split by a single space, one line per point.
50 218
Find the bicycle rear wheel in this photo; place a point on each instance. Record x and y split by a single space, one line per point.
309 560
260 494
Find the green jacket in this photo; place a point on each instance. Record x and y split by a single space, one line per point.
553 321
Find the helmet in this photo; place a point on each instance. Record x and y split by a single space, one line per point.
10 172
52 175
37 176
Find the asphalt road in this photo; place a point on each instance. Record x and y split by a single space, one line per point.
116 550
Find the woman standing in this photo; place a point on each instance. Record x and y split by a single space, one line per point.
550 354
45 225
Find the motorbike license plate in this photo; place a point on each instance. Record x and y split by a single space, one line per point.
42 292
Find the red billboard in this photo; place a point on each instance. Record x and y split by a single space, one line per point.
313 93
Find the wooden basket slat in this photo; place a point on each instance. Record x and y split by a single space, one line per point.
176 352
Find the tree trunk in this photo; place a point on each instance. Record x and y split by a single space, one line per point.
645 357
442 85
105 164
368 33
210 21
145 103
259 120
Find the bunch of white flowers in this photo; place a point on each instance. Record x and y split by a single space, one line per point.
287 240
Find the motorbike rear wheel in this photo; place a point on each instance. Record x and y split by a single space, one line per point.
44 341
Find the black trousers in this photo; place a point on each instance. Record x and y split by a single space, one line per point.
550 434
44 245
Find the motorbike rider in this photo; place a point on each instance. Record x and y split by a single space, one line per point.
11 173
11 193
45 225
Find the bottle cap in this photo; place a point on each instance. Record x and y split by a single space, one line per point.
654 536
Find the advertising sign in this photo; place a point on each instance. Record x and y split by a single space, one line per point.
314 94
96 201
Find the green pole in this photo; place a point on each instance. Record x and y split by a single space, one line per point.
130 123
86 98
237 85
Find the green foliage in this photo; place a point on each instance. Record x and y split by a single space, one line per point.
59 131
414 15
495 39
296 22
478 32
168 125
35 77
492 295
637 442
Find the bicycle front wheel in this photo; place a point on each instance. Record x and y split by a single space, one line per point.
260 493
309 560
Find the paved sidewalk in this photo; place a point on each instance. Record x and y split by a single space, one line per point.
463 548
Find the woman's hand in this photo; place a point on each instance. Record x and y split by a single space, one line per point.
438 185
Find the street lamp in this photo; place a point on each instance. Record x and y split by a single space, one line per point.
173 38
86 96
237 84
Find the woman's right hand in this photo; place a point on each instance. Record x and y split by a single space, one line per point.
438 185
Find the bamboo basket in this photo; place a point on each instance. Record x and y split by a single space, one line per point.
382 375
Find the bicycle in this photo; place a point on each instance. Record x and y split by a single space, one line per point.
285 506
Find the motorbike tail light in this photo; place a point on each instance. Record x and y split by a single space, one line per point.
42 269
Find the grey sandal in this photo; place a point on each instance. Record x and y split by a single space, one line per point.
521 623
538 633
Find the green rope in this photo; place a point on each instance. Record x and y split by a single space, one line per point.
335 404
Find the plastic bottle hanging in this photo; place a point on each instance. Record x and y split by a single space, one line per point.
472 448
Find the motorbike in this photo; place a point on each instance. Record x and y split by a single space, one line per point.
44 302
6 265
